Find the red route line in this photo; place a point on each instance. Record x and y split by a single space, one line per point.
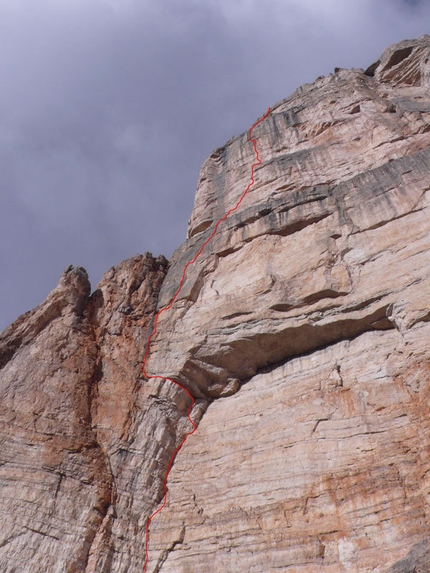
154 332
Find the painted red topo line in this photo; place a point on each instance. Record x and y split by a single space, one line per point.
154 332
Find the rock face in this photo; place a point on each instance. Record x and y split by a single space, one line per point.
302 331
75 464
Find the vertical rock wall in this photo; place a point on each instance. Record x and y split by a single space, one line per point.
312 304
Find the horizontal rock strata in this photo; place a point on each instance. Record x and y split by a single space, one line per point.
311 306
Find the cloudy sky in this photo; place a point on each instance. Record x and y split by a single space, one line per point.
109 107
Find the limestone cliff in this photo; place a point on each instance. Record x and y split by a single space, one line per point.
302 332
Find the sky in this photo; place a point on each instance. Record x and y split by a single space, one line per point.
109 107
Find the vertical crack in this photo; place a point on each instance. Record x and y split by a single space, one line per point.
165 554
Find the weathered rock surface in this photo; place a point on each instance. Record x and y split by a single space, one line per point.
303 332
78 464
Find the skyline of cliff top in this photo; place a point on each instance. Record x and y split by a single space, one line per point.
111 107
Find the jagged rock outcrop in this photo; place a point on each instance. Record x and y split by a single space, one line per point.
303 333
77 474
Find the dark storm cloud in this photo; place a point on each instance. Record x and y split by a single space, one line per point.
412 3
108 108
